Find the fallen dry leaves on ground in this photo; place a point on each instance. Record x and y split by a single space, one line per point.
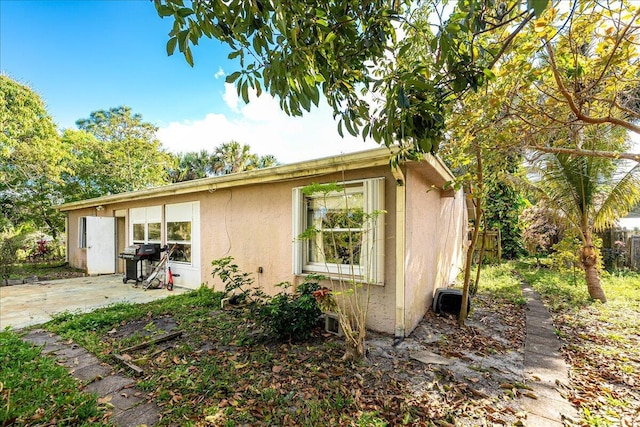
603 350
223 371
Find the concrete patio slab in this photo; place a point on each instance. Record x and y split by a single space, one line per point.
35 303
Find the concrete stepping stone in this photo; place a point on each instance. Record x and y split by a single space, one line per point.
128 408
544 367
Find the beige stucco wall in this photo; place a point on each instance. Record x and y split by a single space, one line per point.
436 226
77 257
253 224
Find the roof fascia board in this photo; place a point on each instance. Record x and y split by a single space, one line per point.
353 161
359 160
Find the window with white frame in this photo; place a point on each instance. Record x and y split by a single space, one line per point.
146 225
179 219
343 231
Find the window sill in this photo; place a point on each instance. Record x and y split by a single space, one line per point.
337 277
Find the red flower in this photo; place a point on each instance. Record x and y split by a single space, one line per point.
321 293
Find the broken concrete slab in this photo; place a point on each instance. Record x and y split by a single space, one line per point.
68 352
541 331
123 401
549 341
41 337
543 362
534 420
543 406
91 373
146 413
543 348
429 358
81 361
108 385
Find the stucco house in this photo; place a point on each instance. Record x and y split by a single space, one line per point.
255 216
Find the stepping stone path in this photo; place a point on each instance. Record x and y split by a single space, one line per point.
544 368
129 409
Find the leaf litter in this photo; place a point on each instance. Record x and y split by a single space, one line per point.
224 370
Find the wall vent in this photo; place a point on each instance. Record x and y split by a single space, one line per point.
331 324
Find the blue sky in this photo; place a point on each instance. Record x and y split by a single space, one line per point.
84 56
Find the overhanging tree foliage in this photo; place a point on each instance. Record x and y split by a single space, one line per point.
578 67
346 50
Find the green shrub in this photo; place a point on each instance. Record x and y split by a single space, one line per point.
292 316
237 284
288 315
10 242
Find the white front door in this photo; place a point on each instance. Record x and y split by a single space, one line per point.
101 245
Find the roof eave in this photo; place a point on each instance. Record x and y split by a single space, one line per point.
358 160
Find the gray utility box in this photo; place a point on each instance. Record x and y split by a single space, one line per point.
449 301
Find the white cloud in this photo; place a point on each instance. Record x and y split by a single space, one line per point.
267 129
230 97
220 73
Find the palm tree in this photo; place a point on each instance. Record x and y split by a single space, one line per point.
231 157
266 161
192 165
591 193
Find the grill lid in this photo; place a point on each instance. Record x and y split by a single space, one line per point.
149 249
131 250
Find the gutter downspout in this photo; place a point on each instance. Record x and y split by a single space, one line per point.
401 198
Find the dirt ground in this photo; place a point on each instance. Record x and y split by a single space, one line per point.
483 360
478 370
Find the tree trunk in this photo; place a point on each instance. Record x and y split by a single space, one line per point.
588 258
354 351
474 289
462 316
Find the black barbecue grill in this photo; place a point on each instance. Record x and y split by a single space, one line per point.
134 256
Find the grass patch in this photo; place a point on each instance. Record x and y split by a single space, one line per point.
498 280
87 329
226 369
37 391
47 270
561 291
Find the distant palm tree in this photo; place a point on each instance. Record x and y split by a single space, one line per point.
266 161
192 165
590 197
228 158
231 157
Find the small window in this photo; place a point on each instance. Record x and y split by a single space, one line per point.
146 225
153 232
82 232
138 233
347 228
179 235
179 230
